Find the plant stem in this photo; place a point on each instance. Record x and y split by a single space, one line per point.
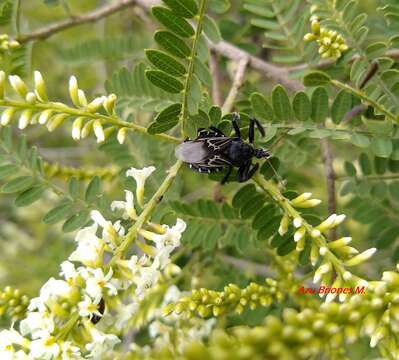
190 71
367 99
61 108
147 212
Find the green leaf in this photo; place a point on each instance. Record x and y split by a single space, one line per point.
165 62
269 229
22 147
281 103
93 190
172 44
184 8
252 206
6 137
360 140
263 216
380 165
76 221
302 106
174 23
29 196
387 237
166 119
316 78
73 187
195 94
58 213
341 105
164 81
7 170
365 164
286 248
243 194
18 184
202 72
215 115
261 107
394 190
270 167
381 147
211 29
350 168
319 104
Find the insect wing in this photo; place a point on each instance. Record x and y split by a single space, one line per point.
192 151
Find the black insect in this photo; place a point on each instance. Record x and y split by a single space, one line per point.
213 151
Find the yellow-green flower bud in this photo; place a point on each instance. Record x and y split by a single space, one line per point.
40 87
284 223
18 85
82 98
340 242
56 121
24 119
45 115
310 37
77 127
2 83
30 98
95 104
73 91
121 136
315 25
98 131
358 259
6 116
109 104
87 128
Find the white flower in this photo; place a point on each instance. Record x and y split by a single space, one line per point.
97 282
147 279
127 206
90 248
69 352
110 233
101 343
36 324
45 348
40 87
7 339
98 131
171 236
140 176
37 304
121 136
18 85
135 264
73 91
69 272
88 307
54 289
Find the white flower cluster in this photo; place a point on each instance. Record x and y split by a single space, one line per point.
83 294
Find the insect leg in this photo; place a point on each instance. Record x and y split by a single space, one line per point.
252 171
259 126
243 171
251 131
227 175
236 117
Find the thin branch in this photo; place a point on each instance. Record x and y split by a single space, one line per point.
330 177
237 83
47 31
216 79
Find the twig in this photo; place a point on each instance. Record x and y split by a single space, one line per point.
273 72
330 177
237 82
216 79
47 31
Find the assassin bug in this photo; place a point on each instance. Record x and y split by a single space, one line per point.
213 151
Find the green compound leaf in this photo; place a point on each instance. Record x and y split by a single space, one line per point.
261 108
365 164
211 30
18 184
185 8
76 221
174 23
166 119
316 78
360 140
171 43
281 103
29 196
319 104
244 193
164 62
302 106
164 81
341 105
